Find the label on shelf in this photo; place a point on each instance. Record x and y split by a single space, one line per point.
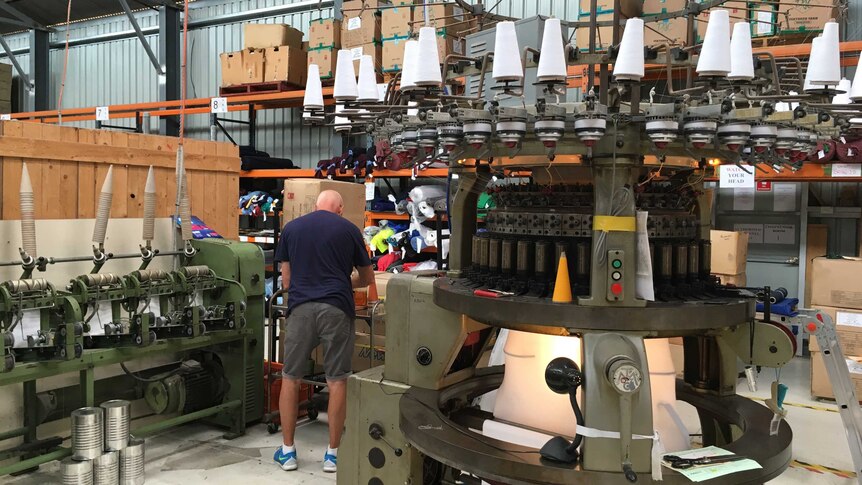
369 190
102 113
732 176
846 170
218 105
5 117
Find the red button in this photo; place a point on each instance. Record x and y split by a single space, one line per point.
812 327
616 288
820 317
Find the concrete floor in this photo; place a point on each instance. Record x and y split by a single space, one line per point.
197 454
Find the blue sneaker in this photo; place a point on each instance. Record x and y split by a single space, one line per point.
330 463
287 461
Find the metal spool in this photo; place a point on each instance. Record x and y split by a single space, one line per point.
483 254
693 261
507 252
475 251
705 258
665 263
680 263
100 279
524 258
76 472
87 435
544 258
582 263
106 469
494 255
117 416
132 463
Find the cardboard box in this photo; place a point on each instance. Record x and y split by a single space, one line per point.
242 67
359 26
837 283
393 54
324 33
286 64
732 279
764 19
821 386
815 247
366 356
362 326
602 6
373 49
795 18
395 22
447 18
848 327
264 36
665 31
326 59
300 198
382 278
604 35
447 44
729 252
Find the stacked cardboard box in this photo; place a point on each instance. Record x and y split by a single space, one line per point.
665 31
836 290
324 41
729 253
271 52
300 198
805 17
395 28
5 88
360 28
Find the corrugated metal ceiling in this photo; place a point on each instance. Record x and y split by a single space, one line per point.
53 12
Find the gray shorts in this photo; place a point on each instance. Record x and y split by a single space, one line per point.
310 325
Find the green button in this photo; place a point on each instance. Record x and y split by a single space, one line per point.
617 264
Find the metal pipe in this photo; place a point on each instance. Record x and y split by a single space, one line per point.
154 428
12 433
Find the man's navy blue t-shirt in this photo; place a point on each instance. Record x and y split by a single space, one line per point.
322 249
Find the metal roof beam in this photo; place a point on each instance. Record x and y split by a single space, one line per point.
25 20
11 55
140 34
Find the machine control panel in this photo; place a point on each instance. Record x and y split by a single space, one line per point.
615 275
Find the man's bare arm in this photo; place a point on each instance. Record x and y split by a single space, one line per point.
363 277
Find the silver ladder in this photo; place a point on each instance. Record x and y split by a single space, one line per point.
820 325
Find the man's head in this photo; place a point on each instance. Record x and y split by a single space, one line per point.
330 201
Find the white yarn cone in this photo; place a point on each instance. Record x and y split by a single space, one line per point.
629 64
552 60
345 78
381 92
844 96
741 58
367 80
313 99
411 62
815 59
856 89
828 71
507 54
714 57
428 71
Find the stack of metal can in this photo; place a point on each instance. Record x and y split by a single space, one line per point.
103 451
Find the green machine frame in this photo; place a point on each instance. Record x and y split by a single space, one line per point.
235 281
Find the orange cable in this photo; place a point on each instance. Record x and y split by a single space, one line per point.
65 64
183 75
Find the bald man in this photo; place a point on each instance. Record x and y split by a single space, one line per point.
318 253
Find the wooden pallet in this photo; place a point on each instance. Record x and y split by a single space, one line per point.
258 88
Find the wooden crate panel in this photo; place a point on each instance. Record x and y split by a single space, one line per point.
68 165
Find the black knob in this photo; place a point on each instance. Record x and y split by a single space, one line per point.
424 356
563 375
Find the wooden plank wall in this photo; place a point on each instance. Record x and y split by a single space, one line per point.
67 166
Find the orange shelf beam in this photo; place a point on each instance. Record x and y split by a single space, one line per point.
309 173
